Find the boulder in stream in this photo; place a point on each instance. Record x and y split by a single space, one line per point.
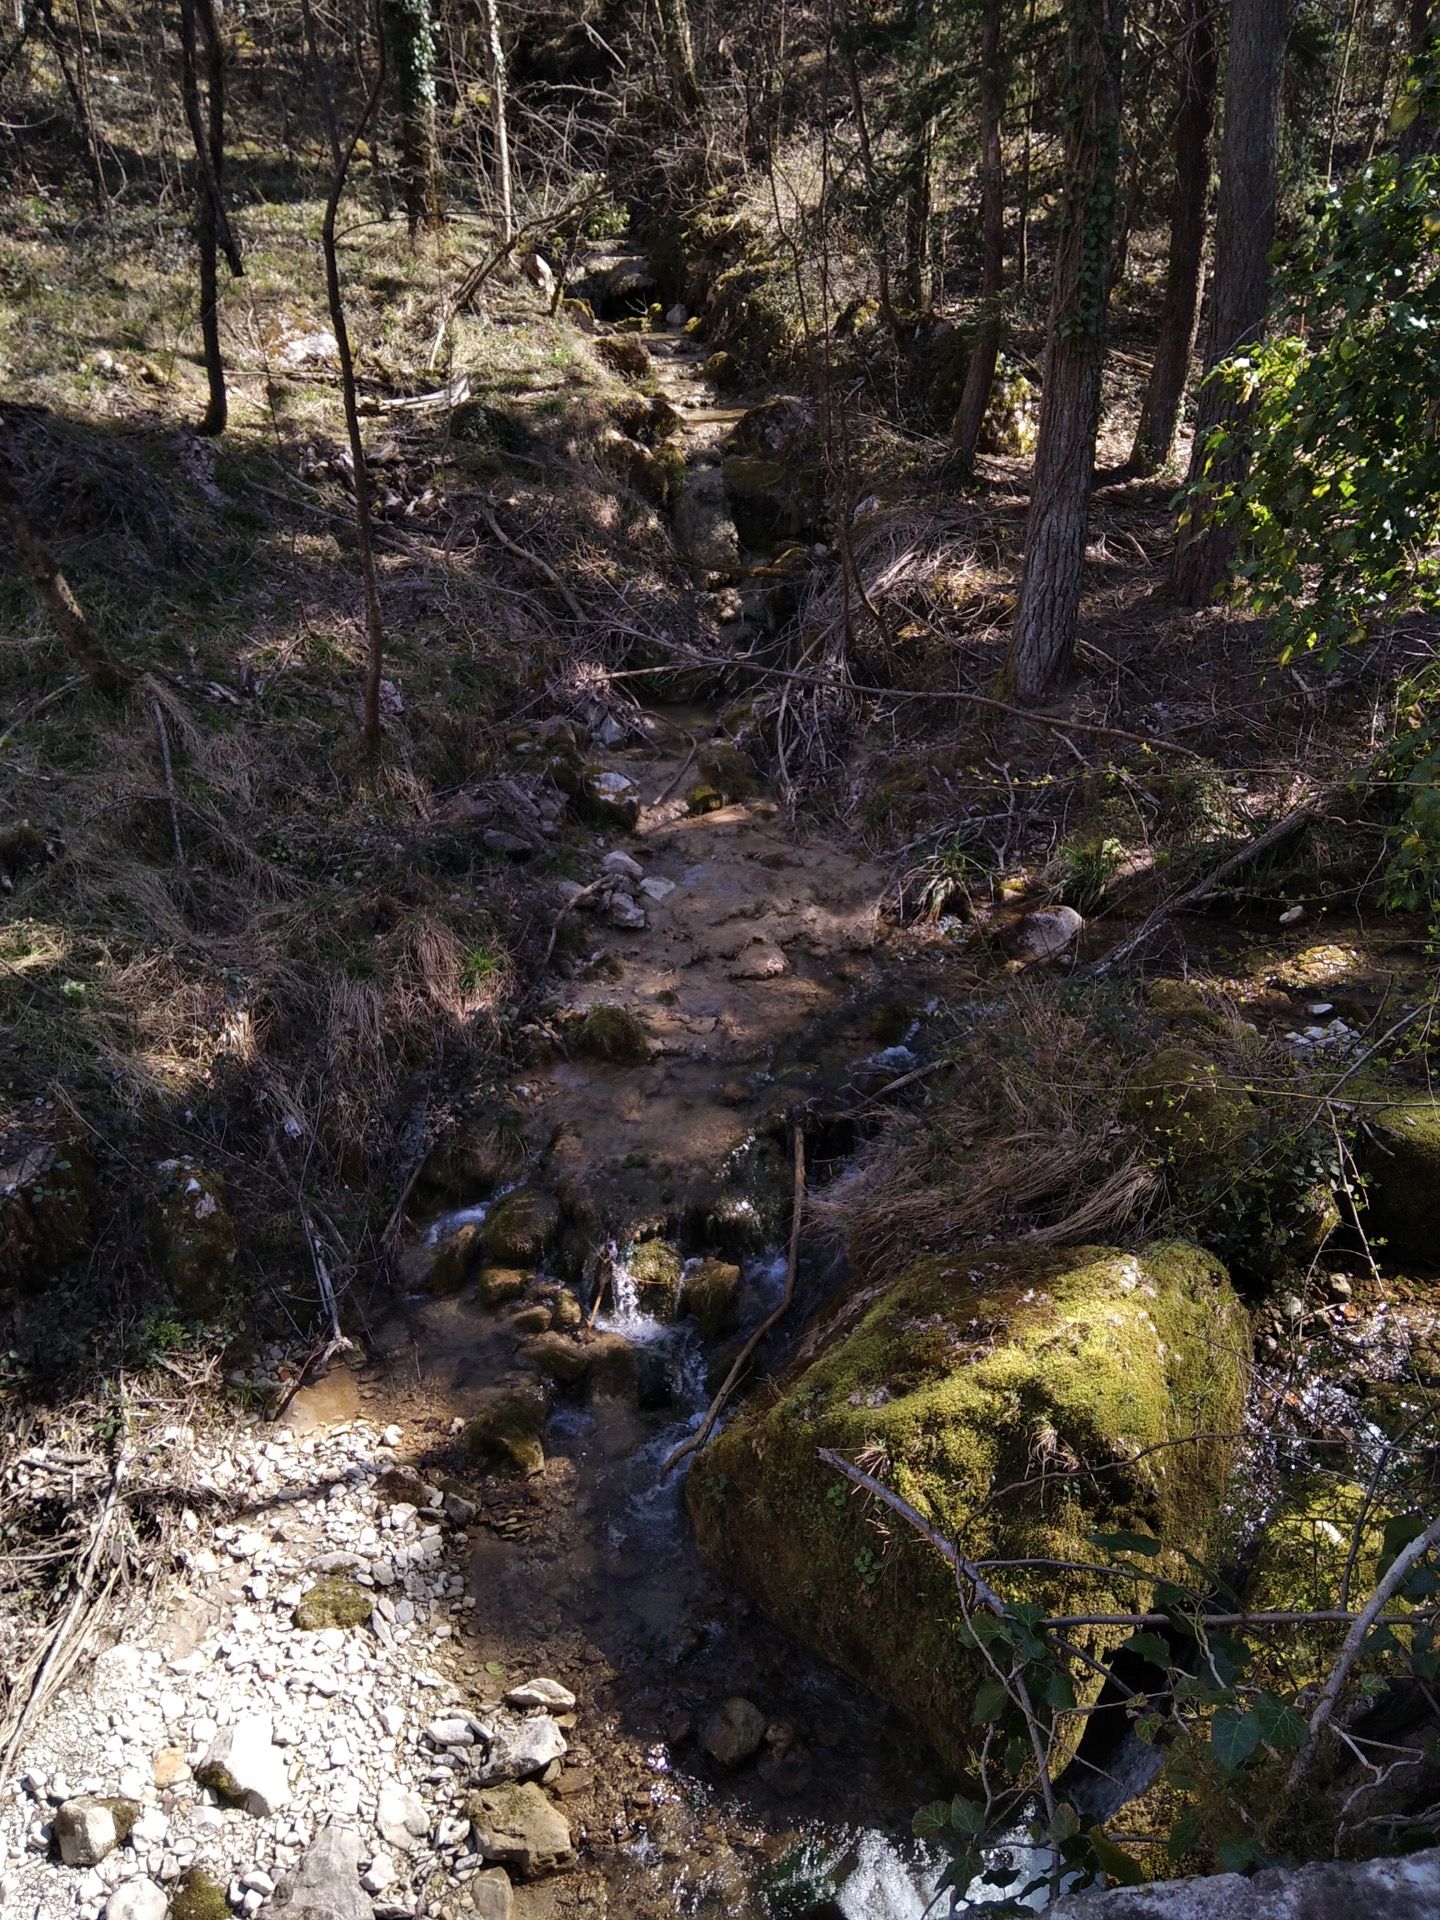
519 1228
982 1382
1400 1159
504 1432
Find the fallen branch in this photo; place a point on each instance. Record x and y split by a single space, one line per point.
742 1359
576 900
452 394
159 717
542 567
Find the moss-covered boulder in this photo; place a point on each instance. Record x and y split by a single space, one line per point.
558 1358
1400 1158
482 1154
1183 1104
773 473
498 1286
710 1295
1020 1399
198 1897
453 1258
518 1228
504 1434
611 1033
1012 420
656 1269
729 770
335 1601
192 1236
626 355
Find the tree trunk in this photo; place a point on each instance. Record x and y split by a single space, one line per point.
1042 645
410 57
341 155
1421 134
874 221
1240 289
680 53
499 117
919 200
42 570
1184 274
980 374
200 19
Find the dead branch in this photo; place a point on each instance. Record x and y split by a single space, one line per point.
542 567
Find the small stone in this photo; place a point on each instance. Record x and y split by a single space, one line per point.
327 1886
623 863
733 1733
760 962
137 1900
257 1881
519 1748
379 1875
657 889
541 1693
245 1768
87 1829
454 1732
623 912
401 1818
1047 934
491 1895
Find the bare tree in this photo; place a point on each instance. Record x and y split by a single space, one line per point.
980 374
1240 290
1185 271
342 153
499 117
1042 645
200 21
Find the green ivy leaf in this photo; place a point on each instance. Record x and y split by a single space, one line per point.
1234 1736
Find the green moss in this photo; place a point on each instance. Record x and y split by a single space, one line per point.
198 1897
710 1294
730 771
192 1236
499 1285
981 1383
518 1228
611 1033
704 799
723 369
335 1601
559 1359
1182 1103
1399 1156
656 1268
504 1434
624 355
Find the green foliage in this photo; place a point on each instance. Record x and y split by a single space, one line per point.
410 53
1341 509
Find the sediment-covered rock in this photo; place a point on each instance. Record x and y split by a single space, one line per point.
982 1383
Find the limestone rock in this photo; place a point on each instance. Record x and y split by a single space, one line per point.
956 1367
1404 1889
137 1900
626 914
245 1768
452 1260
520 1746
734 1732
327 1887
705 528
491 1896
516 1826
1046 934
614 796
401 1818
88 1829
1400 1159
541 1693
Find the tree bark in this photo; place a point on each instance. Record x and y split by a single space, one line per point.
1042 645
499 117
42 570
980 374
1423 134
919 200
410 57
201 19
341 154
1240 289
1185 272
680 52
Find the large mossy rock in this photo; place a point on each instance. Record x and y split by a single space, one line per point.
519 1227
192 1236
1020 1400
773 473
1400 1159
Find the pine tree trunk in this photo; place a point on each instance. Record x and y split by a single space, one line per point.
980 374
1184 274
919 201
410 60
1240 288
1042 645
499 117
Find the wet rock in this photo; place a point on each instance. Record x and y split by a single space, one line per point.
611 1033
614 796
705 528
499 1285
1399 1155
518 1229
491 1896
401 1818
453 1258
516 1826
784 1763
614 1367
327 1887
192 1236
1390 1889
505 1431
530 1320
137 1900
245 1768
733 1733
954 1367
773 472
1047 934
710 1295
657 1269
558 1358
88 1829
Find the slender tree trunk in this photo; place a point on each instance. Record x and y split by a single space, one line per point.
1422 135
200 21
980 374
1042 645
874 220
1240 290
680 53
1022 236
341 154
80 101
915 281
42 570
499 117
409 31
1184 275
